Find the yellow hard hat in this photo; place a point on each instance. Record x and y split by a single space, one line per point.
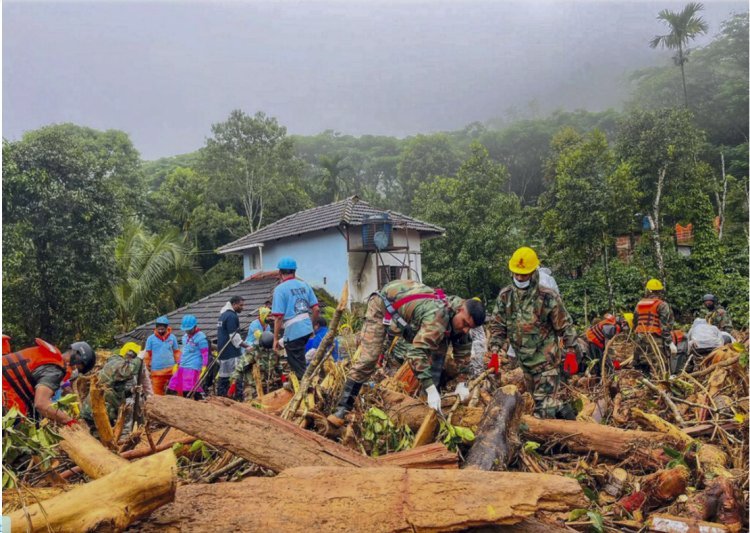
263 312
523 261
629 319
129 347
654 285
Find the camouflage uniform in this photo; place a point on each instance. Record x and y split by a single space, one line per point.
117 379
531 320
643 348
461 345
265 358
430 329
719 317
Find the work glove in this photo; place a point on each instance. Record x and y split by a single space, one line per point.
174 368
570 366
494 363
616 364
433 398
672 348
232 390
142 355
72 422
203 371
463 392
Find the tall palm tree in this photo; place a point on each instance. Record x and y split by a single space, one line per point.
335 184
685 26
148 265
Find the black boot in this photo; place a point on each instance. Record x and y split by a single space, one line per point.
346 402
222 387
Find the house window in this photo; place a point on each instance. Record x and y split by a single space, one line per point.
388 273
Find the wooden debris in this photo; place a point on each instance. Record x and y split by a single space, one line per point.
88 453
666 523
99 413
657 489
409 411
111 502
497 437
719 502
386 499
427 428
434 455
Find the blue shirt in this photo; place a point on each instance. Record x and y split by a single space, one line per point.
255 325
162 351
191 350
294 300
318 338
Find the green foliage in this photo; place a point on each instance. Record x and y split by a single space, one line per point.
453 436
382 435
597 521
424 157
22 442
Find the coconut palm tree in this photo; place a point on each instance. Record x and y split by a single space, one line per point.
334 183
148 266
685 26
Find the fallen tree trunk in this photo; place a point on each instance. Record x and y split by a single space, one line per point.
434 455
657 489
411 412
497 437
382 499
260 438
18 497
720 502
84 450
645 447
112 502
99 414
273 402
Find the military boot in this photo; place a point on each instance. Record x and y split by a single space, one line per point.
346 402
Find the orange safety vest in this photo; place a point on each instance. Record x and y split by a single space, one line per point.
595 334
678 336
6 344
18 379
648 316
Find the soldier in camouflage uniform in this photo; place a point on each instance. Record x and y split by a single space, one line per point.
530 318
260 354
653 321
716 315
117 379
426 320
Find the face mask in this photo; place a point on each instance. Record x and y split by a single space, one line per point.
709 305
522 284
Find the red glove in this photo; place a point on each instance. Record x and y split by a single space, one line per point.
494 363
283 378
232 390
616 364
72 422
570 366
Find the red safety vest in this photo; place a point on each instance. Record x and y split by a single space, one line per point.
648 316
18 380
595 334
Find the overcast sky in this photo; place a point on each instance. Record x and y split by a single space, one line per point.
165 71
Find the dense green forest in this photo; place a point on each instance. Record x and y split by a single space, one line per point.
96 241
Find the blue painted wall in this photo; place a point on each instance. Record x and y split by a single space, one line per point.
321 258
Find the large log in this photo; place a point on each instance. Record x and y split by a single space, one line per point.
645 447
261 438
382 499
497 437
111 502
99 414
434 455
88 453
411 412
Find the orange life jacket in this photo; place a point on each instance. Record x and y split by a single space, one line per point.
18 379
6 344
648 316
678 336
595 334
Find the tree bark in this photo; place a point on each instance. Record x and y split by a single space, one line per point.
409 411
99 413
496 439
381 499
111 502
645 447
84 450
657 489
434 455
657 223
721 502
260 438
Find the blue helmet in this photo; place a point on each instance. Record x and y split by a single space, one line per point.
188 322
162 321
287 263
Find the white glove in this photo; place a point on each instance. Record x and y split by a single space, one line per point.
236 340
672 348
433 398
142 354
463 391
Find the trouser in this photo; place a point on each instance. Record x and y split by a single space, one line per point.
644 352
596 354
543 382
373 337
196 395
295 355
160 379
226 368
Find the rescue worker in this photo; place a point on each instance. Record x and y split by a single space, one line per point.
678 360
426 319
230 343
716 315
321 330
529 319
295 309
32 375
599 334
193 361
117 380
259 324
261 354
162 353
653 320
6 344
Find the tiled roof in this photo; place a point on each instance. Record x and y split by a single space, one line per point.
256 290
349 212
